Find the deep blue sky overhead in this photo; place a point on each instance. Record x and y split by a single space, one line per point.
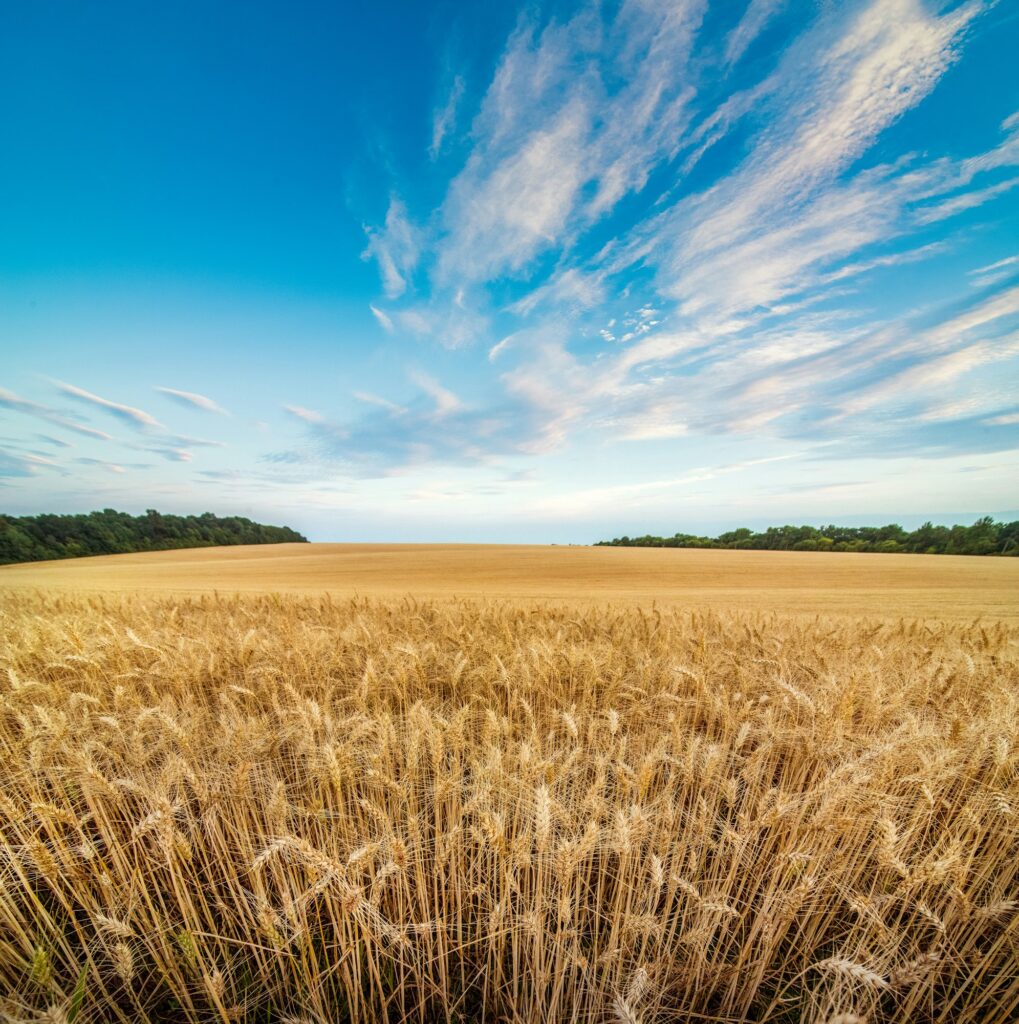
470 271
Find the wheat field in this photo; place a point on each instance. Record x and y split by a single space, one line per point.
788 582
311 809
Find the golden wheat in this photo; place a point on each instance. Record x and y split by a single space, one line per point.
941 587
274 809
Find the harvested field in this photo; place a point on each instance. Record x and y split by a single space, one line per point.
914 586
311 809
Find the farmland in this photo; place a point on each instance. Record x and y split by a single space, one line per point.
918 586
337 783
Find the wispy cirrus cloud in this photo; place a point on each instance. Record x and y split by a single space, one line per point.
171 454
160 441
396 247
750 26
193 400
687 383
57 442
553 152
955 205
379 443
925 376
20 464
307 415
186 441
383 318
135 418
444 119
994 273
435 426
452 322
555 149
784 222
110 467
769 228
9 400
382 403
750 284
446 403
544 168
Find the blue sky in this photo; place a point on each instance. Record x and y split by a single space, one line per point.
469 272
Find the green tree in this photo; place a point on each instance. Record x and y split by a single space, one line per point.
45 536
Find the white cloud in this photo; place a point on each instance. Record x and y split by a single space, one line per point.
9 400
39 460
452 324
967 201
776 380
396 247
919 380
656 424
307 415
382 403
894 259
1002 304
193 399
753 22
445 118
869 369
12 465
555 148
498 348
383 319
572 288
185 441
723 119
976 400
1008 261
499 217
446 402
136 418
766 230
79 428
172 454
56 441
110 467
994 273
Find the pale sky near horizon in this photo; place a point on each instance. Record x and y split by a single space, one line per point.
550 272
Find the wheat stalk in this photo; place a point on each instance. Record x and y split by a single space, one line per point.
311 809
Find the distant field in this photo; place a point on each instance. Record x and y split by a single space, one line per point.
919 586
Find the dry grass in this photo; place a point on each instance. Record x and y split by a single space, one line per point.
295 809
803 582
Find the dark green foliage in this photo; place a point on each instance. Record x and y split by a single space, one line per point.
984 537
36 538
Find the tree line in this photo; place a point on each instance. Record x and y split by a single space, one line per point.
984 537
42 537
